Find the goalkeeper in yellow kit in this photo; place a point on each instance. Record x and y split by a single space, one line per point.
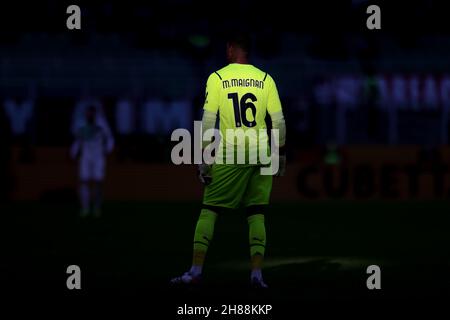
242 94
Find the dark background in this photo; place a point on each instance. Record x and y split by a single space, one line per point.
363 104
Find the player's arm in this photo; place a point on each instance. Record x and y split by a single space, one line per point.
211 106
209 119
109 139
278 123
76 146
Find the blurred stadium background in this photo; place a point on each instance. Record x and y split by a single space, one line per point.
368 127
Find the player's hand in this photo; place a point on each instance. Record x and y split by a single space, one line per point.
204 173
281 166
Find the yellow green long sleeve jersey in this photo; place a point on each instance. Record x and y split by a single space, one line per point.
242 95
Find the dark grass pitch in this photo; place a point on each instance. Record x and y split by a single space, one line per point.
317 254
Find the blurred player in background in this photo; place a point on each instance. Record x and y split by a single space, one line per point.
242 94
93 141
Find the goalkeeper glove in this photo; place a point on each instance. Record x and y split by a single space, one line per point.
204 173
281 166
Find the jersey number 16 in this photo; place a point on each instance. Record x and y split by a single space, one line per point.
240 109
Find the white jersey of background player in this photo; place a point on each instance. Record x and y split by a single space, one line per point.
93 141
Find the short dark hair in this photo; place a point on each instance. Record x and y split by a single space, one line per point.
241 40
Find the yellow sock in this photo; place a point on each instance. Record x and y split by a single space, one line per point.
203 235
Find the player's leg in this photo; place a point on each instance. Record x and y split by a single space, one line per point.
204 232
98 175
84 198
203 235
255 200
84 194
225 191
97 197
257 242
